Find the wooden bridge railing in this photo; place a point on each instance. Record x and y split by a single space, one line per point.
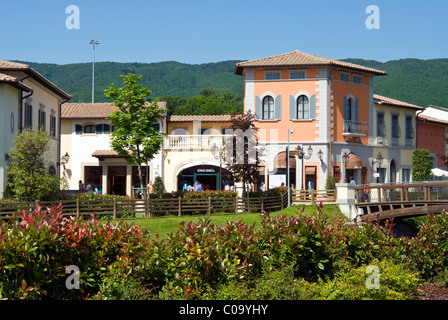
399 200
313 196
402 192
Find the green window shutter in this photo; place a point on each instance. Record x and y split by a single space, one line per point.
99 129
78 129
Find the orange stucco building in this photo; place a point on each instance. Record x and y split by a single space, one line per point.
326 108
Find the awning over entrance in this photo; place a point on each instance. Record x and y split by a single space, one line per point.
280 161
106 154
353 162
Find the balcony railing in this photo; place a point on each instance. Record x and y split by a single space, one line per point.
355 129
193 141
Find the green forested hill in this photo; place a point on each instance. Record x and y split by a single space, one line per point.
421 82
164 78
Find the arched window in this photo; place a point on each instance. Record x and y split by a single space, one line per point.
90 128
303 107
268 107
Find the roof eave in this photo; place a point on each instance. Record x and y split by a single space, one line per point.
41 79
239 70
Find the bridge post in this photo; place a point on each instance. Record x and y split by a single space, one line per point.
346 199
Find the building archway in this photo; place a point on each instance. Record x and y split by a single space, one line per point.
207 175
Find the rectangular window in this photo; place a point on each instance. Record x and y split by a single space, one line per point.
53 125
380 126
409 128
28 116
272 75
395 126
345 77
406 175
357 78
297 74
41 120
93 176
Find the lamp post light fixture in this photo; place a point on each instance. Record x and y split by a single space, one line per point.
93 42
320 155
65 158
344 163
301 155
379 161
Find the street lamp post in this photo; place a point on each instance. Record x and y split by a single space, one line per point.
93 42
301 155
288 184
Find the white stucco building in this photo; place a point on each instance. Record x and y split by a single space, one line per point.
28 101
85 137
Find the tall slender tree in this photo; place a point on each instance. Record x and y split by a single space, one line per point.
137 136
242 150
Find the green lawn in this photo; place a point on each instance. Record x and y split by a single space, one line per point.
166 225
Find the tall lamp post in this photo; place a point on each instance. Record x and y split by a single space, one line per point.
288 170
379 161
301 155
93 42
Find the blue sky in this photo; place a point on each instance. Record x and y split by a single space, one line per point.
199 31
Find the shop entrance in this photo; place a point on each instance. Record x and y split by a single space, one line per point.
206 175
116 180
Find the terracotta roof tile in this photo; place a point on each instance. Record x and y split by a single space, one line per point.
6 78
13 65
204 118
301 59
393 102
6 66
106 154
98 110
431 119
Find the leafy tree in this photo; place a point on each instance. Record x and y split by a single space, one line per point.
136 136
242 150
209 101
421 165
28 176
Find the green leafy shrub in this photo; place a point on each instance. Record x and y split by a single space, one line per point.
395 282
37 247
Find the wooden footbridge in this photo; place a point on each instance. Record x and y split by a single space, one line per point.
384 201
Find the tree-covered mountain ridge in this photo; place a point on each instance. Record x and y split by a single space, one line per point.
421 82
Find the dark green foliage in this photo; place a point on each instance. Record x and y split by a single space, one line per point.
209 101
168 78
